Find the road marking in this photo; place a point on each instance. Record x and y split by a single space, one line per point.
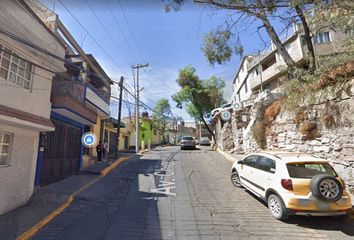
166 184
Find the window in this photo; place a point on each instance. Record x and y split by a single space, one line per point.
5 147
15 69
288 47
188 138
246 90
349 32
154 132
303 41
266 164
270 61
250 161
322 38
308 170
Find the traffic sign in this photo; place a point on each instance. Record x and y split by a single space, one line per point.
225 115
89 139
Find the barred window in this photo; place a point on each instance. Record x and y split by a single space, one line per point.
15 69
323 37
6 140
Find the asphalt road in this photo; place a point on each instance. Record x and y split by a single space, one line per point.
173 194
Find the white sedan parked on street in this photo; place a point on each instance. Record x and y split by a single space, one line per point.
293 184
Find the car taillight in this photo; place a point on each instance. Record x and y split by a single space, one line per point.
287 184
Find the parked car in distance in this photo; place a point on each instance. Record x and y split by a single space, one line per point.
187 142
215 112
293 184
227 106
204 141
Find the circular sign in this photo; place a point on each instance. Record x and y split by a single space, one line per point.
89 139
237 106
225 115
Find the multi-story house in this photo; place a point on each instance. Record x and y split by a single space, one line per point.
30 55
268 70
148 134
241 84
110 136
80 99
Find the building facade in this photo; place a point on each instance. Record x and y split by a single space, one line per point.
80 99
28 63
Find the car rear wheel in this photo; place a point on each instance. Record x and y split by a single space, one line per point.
235 179
327 188
276 207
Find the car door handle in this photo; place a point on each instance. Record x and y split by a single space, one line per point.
269 178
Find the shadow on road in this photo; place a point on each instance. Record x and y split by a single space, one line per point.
318 223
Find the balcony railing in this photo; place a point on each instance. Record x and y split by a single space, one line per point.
80 91
96 99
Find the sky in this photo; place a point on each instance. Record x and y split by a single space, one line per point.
122 33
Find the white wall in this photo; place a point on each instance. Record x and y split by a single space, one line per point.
17 180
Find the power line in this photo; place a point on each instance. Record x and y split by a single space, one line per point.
106 31
119 28
131 31
98 44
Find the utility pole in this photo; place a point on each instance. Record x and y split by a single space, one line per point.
137 90
260 69
119 112
200 130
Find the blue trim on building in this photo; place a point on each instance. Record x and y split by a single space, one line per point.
39 164
74 113
74 123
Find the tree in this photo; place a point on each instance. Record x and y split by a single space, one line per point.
221 44
161 114
199 96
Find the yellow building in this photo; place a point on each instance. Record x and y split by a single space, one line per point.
110 136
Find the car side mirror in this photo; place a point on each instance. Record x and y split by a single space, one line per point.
239 162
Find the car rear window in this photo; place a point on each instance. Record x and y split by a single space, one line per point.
308 170
187 138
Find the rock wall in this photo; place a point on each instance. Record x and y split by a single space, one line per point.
325 129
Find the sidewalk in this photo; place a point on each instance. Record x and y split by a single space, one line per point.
52 199
233 157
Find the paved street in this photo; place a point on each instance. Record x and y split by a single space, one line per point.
173 194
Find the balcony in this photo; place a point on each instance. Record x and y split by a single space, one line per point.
68 99
96 101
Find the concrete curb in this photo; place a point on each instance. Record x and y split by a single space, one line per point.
227 156
33 230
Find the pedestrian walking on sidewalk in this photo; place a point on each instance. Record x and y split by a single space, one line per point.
104 150
99 152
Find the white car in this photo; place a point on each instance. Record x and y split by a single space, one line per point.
215 112
293 184
204 141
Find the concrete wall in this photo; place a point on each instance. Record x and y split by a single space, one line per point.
14 19
17 179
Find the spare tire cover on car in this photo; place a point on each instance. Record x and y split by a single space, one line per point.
326 187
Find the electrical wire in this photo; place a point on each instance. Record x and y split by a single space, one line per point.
106 31
131 31
97 43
